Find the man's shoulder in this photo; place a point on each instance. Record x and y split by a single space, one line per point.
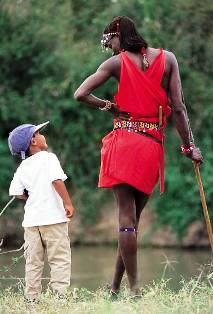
111 63
170 56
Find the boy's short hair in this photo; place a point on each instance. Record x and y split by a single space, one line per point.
19 139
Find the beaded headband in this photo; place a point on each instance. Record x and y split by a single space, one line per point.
106 38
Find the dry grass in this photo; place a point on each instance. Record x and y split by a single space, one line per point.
194 297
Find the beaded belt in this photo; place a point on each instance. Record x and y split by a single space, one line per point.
135 126
139 127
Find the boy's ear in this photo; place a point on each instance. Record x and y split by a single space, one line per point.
33 141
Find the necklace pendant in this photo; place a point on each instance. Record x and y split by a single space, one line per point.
145 61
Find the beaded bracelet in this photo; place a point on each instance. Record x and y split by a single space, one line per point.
107 107
187 149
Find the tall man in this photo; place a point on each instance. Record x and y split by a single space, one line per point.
132 158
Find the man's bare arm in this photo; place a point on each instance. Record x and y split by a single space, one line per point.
103 73
179 110
178 105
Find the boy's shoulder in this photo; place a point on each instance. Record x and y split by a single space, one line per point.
40 157
52 156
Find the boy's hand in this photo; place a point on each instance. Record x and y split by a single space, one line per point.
62 191
22 197
69 210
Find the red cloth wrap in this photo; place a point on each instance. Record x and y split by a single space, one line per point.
129 157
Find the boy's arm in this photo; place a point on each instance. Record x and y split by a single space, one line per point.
17 188
23 196
62 191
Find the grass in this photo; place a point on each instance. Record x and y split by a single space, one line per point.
195 297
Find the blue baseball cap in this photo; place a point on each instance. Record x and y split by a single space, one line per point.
19 139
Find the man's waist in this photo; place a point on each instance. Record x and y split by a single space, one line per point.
137 126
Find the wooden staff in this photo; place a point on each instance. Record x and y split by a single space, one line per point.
203 201
5 207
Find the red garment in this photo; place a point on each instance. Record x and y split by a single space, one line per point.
129 157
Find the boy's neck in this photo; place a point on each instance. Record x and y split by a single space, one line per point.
35 150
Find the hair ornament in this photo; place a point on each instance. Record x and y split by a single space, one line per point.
106 38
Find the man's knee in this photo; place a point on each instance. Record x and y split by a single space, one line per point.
126 221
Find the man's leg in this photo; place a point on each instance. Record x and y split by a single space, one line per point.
57 244
34 256
140 202
119 272
127 236
119 265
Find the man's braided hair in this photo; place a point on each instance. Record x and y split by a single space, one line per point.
130 39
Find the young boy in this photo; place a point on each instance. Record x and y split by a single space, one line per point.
39 181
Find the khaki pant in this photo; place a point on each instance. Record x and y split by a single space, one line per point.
54 241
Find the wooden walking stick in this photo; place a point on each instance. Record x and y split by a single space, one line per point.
5 207
204 205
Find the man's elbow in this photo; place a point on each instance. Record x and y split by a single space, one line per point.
179 108
179 111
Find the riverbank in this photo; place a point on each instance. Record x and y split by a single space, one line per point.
104 230
193 297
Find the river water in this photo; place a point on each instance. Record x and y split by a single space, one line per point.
92 267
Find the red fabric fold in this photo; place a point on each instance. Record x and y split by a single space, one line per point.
128 157
140 92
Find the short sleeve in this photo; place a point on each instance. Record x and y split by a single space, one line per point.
16 185
55 170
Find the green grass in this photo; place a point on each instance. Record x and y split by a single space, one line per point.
193 297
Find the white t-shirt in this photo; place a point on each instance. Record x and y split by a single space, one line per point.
44 206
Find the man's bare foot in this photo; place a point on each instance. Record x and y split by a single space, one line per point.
113 292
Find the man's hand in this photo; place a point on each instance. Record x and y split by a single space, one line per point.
114 110
69 210
196 156
119 114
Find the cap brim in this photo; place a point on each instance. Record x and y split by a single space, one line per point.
41 126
